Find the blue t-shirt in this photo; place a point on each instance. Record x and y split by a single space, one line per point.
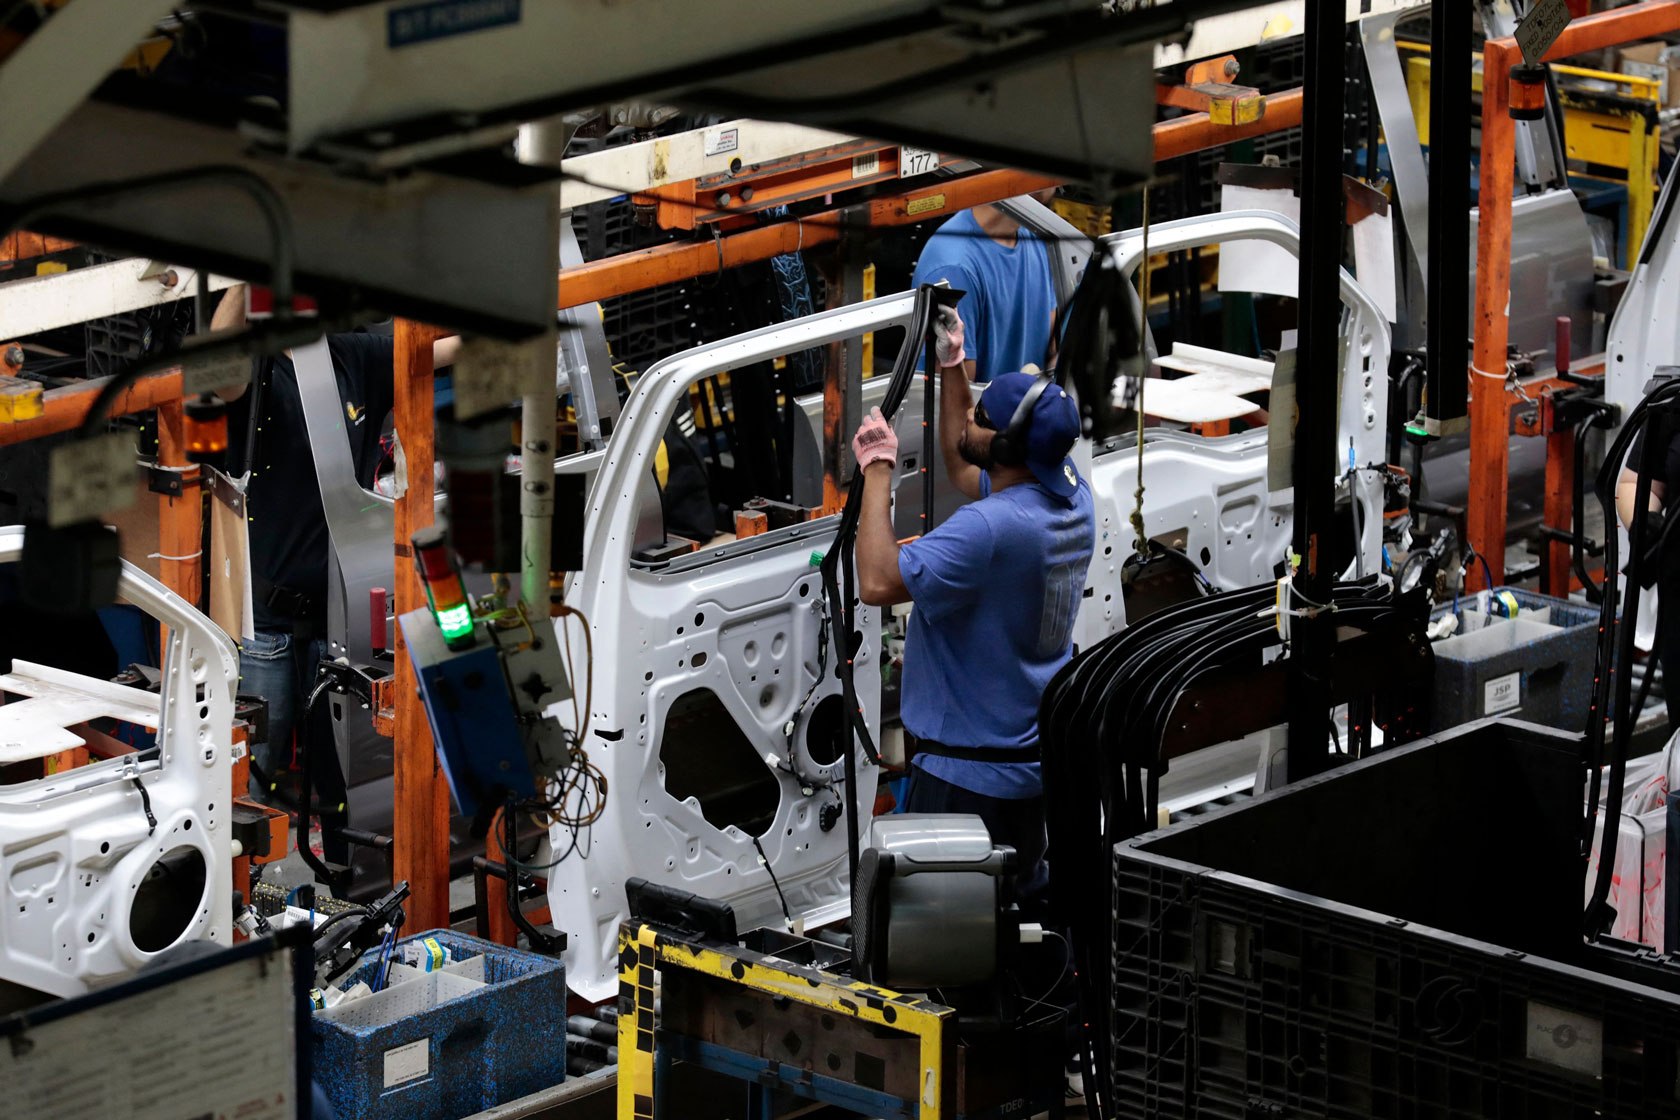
1010 298
995 590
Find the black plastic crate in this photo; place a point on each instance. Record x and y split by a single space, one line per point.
1394 939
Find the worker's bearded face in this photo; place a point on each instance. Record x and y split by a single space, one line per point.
975 445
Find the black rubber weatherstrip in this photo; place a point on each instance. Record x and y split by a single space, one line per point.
839 563
1612 673
1101 726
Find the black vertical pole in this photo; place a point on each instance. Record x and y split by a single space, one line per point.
1317 372
1447 286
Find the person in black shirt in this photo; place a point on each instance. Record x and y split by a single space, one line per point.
286 524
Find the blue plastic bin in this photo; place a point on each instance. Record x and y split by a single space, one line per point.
438 1048
1537 666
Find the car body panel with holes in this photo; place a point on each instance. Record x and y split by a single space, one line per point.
1215 491
700 664
1644 334
89 890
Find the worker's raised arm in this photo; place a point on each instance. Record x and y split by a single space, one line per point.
230 316
876 449
1626 486
955 400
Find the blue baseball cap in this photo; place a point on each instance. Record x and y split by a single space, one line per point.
1051 435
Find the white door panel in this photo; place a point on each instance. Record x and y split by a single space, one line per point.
700 666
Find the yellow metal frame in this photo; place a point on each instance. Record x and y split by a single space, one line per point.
641 950
1592 133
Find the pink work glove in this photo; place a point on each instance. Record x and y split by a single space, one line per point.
875 440
948 338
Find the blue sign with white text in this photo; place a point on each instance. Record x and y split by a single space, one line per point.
439 19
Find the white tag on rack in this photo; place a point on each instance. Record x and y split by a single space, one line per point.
916 161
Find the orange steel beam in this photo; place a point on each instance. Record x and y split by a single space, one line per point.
1490 401
665 264
23 245
64 408
420 826
1197 131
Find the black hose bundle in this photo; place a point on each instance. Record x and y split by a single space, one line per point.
1102 344
1613 670
1102 724
839 563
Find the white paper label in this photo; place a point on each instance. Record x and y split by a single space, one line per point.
1502 694
206 375
1257 266
86 478
1541 27
405 1063
720 141
489 374
865 166
1373 255
1565 1039
916 161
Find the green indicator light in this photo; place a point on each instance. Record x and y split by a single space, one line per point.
456 622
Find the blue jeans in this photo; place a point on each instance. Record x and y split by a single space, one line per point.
281 669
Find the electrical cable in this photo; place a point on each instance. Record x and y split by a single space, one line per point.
354 910
1615 653
307 807
780 897
838 563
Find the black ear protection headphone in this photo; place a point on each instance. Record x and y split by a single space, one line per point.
1009 446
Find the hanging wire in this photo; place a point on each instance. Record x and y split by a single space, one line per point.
1141 544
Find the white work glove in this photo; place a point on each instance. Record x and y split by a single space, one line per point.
948 338
875 440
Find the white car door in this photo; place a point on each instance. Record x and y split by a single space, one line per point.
715 711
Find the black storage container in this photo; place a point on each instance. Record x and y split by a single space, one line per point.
1398 938
1536 666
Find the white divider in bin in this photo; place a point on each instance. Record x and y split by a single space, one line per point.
472 969
414 994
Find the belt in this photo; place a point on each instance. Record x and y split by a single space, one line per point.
977 754
288 603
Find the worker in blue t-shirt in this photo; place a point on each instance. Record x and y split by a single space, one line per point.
995 590
1009 306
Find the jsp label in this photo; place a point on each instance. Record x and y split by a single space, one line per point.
1502 693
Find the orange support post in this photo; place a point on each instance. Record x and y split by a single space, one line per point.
420 826
1490 402
181 517
1490 405
498 923
1560 508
